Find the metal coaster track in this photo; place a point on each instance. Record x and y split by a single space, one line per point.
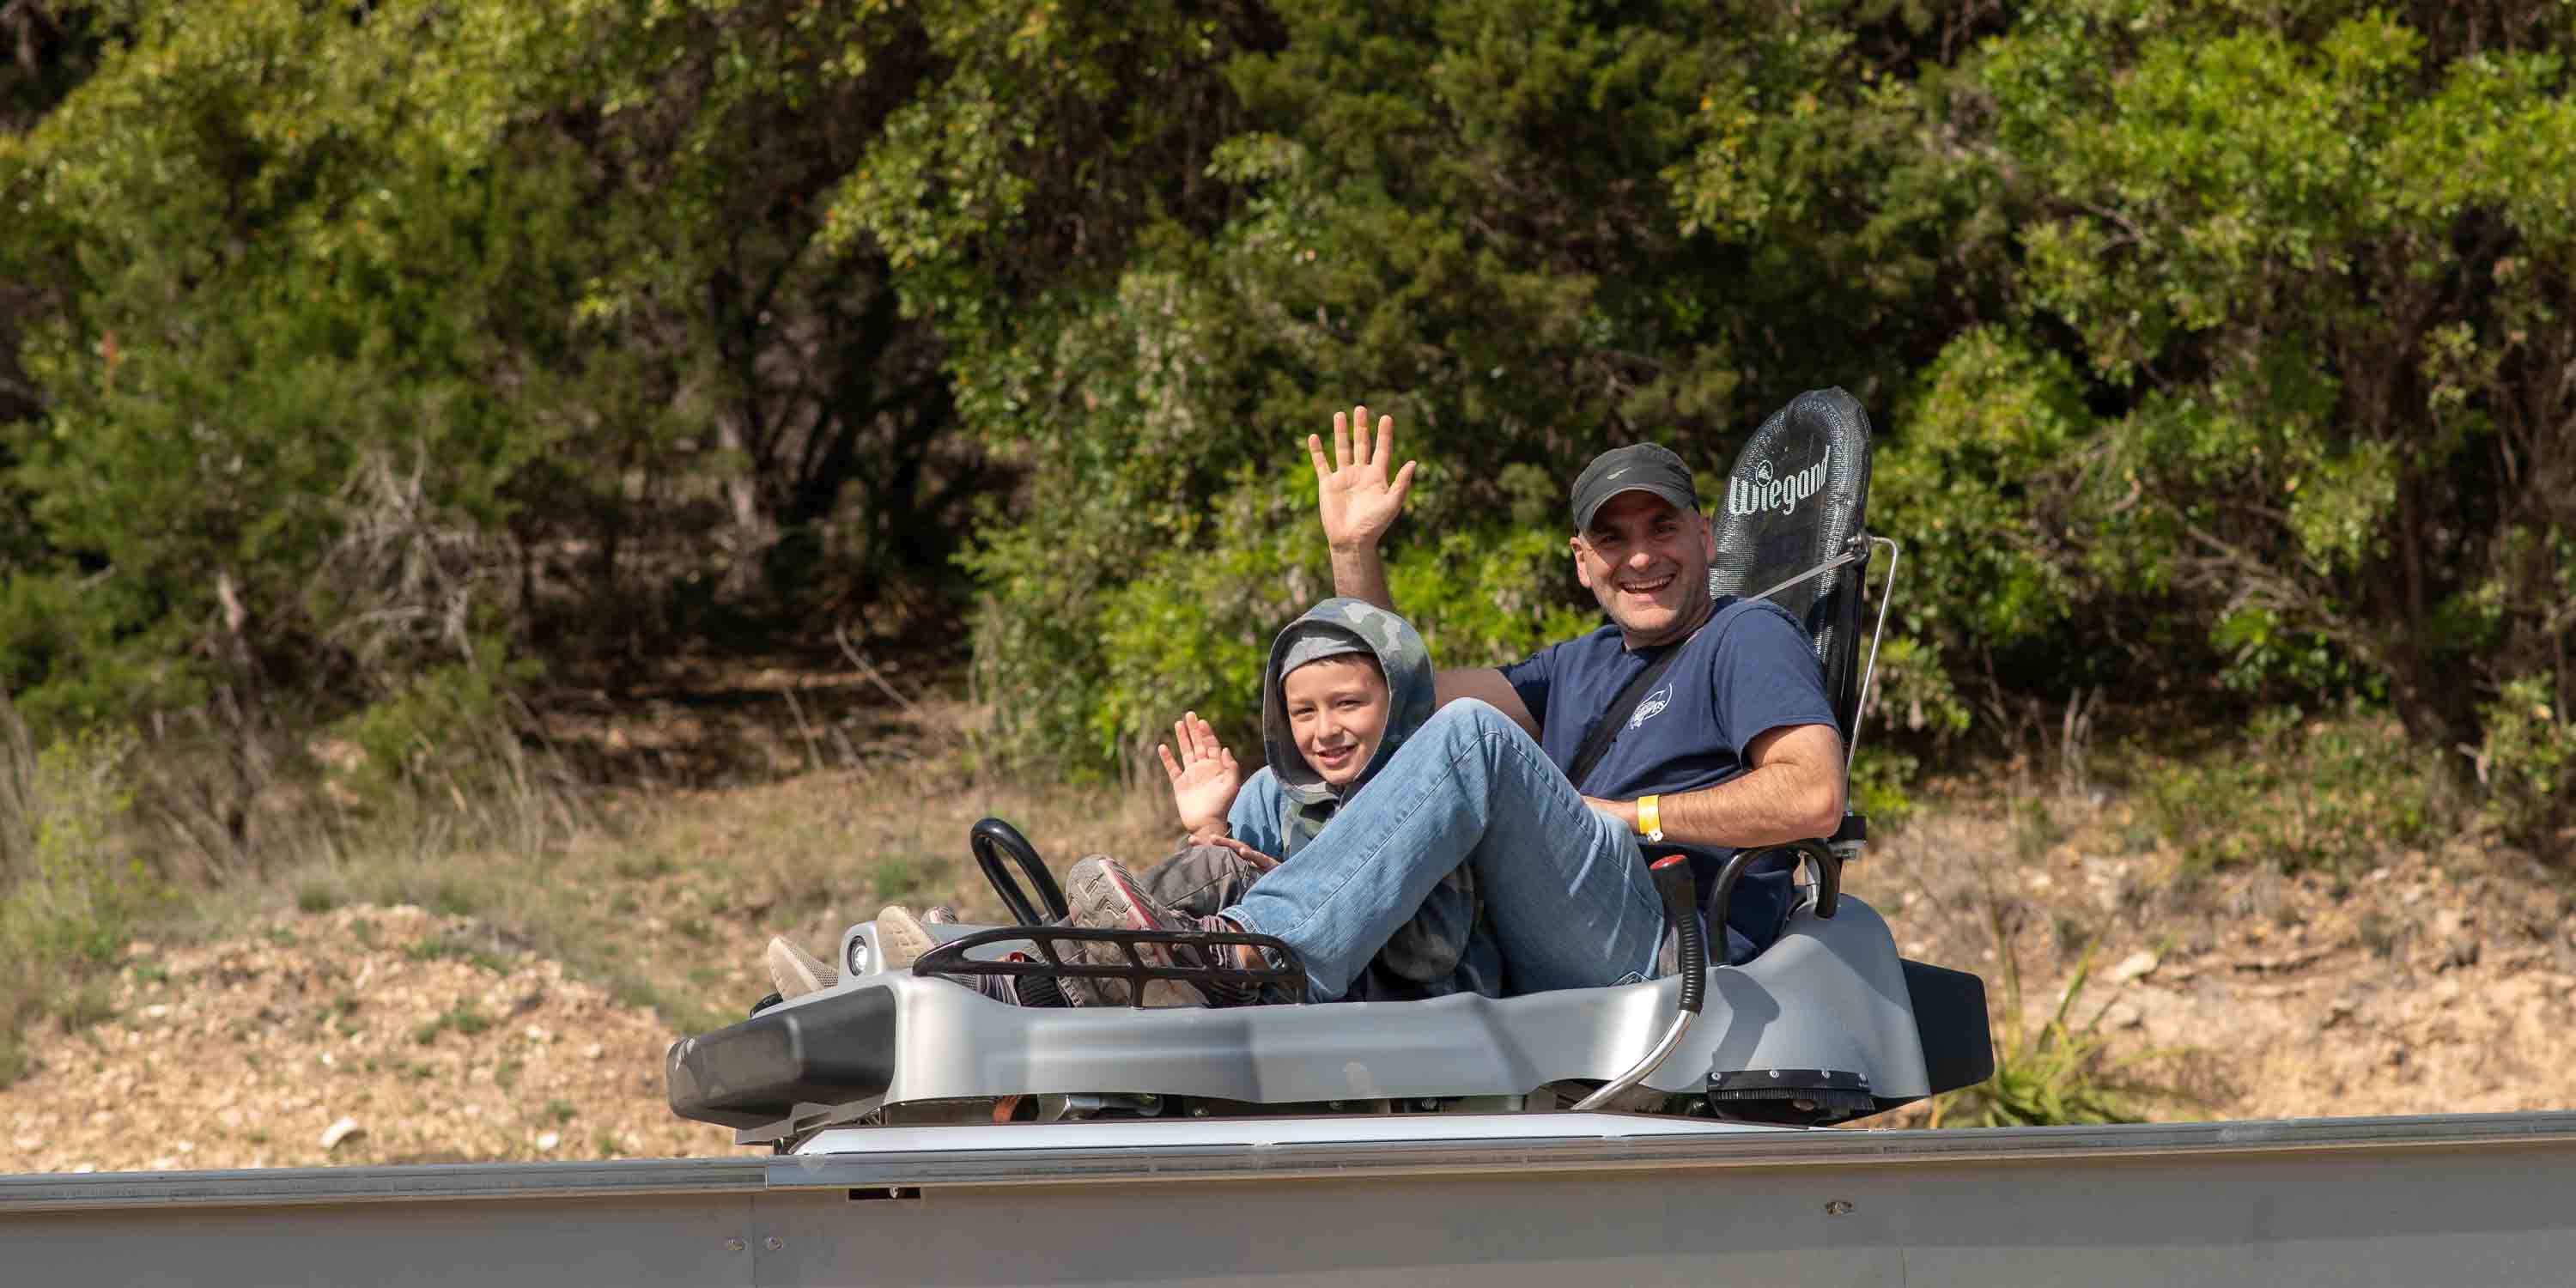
1522 1199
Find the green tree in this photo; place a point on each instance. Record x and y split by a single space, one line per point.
1526 230
368 359
45 50
368 336
2316 273
379 360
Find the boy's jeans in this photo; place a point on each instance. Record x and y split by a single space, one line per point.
1199 879
1569 897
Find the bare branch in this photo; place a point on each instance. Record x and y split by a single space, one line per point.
868 671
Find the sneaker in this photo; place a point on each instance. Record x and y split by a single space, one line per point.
1016 990
901 937
795 971
1104 896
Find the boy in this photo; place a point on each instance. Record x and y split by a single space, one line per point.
1345 685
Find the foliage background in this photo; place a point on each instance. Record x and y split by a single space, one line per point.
395 367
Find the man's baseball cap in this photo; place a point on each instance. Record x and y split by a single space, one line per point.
1638 467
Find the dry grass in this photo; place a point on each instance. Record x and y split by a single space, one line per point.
669 897
666 898
68 887
662 894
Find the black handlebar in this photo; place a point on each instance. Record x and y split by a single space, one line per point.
1829 878
988 839
1829 875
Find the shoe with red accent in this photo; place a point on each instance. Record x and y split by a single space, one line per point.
1104 896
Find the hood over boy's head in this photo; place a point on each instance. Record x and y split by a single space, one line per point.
1346 684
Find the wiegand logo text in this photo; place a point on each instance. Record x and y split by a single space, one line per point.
1767 491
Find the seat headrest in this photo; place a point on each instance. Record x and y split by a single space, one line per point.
1797 497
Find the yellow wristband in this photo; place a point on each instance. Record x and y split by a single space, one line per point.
1650 817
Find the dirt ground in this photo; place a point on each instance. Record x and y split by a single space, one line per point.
2431 983
361 1035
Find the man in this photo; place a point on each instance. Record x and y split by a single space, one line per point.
1734 747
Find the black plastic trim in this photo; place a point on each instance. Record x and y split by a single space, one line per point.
1790 1097
835 1049
1950 1015
1774 1082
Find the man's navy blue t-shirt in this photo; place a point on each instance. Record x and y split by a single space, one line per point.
1750 670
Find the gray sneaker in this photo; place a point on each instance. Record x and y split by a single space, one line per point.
901 937
795 971
1105 896
897 925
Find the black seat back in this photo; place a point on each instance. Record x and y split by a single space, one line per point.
1798 497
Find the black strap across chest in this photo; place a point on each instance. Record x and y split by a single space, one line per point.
1596 741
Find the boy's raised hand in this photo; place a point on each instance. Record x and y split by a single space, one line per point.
1357 501
1204 775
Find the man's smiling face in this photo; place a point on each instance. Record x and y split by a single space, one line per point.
1646 560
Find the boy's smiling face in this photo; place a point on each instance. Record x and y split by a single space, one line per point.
1337 708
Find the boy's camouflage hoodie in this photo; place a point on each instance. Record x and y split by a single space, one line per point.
1436 952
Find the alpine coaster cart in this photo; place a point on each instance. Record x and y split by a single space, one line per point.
1827 1025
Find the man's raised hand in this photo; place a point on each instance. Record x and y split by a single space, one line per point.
1204 775
1357 501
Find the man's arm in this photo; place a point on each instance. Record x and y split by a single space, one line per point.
1486 685
1360 573
1793 792
1358 503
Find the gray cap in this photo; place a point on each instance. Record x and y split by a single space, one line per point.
1638 467
1317 641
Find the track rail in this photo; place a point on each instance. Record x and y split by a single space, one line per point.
979 1157
1601 1199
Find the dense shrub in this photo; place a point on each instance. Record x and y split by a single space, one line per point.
357 350
2333 791
2527 766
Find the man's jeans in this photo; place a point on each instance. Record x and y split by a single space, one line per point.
1569 897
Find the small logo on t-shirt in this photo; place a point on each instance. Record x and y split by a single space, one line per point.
1653 706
